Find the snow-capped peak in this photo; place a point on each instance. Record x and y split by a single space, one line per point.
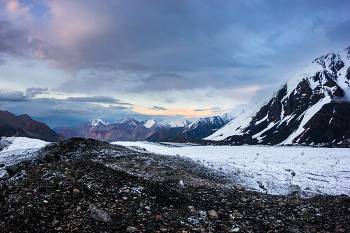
128 120
149 123
98 122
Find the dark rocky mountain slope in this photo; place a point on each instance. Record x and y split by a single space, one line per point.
311 108
25 126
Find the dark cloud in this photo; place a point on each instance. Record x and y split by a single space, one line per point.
154 46
157 108
12 96
32 92
13 41
199 110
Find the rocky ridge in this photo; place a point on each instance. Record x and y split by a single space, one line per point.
25 126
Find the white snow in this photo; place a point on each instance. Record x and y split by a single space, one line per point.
149 123
22 143
19 149
97 122
274 170
235 126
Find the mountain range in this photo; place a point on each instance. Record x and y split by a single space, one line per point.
311 108
123 130
197 130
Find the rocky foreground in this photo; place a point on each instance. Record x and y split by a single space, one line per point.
84 185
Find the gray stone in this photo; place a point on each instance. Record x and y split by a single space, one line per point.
213 215
99 215
131 229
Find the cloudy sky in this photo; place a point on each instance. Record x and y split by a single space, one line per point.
65 62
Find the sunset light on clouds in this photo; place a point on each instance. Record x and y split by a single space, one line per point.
65 62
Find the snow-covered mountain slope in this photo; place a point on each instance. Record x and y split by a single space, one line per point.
196 130
311 108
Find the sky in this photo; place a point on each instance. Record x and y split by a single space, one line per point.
66 62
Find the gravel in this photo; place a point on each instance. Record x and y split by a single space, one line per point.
91 188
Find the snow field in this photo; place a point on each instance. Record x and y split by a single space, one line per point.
21 148
273 170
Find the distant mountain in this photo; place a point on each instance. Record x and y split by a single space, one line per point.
124 130
197 130
311 108
25 126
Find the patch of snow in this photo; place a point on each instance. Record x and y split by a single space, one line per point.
21 148
22 143
274 170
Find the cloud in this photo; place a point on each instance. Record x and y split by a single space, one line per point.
13 41
157 108
170 100
94 99
230 50
97 99
16 8
32 92
58 112
12 96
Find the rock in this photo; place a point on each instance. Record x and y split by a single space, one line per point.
131 229
237 215
191 207
159 218
12 170
76 191
241 188
213 215
78 174
99 215
54 223
236 229
59 229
